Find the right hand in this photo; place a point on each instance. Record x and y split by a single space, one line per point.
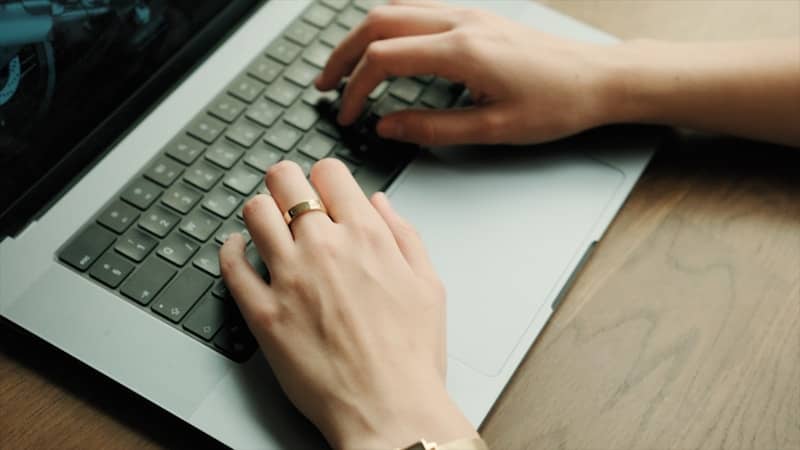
527 86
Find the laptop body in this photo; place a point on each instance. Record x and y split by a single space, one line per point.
507 228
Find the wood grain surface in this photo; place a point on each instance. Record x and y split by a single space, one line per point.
682 331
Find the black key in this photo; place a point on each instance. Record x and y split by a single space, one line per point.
304 162
251 253
283 51
177 249
244 133
206 128
349 154
374 178
333 35
301 73
158 220
181 198
406 89
200 225
203 175
379 90
207 317
246 89
148 281
301 116
317 54
264 69
207 259
425 78
141 193
314 97
118 217
235 340
86 247
230 227
221 202
164 172
351 17
388 105
226 108
243 179
301 33
336 4
220 290
111 269
264 112
366 5
283 92
441 94
330 128
185 149
282 136
352 167
135 244
224 153
262 156
316 145
319 16
181 294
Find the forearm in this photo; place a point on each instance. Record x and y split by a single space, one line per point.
748 89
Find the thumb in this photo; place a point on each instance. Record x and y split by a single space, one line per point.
472 125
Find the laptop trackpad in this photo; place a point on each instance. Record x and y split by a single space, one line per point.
502 227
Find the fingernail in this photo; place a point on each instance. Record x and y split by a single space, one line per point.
391 129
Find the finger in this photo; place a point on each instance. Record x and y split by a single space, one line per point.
289 187
405 235
421 3
268 229
383 22
400 57
255 298
341 195
473 125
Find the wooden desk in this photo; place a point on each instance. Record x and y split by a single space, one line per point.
683 330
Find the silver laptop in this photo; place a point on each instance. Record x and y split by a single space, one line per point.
132 132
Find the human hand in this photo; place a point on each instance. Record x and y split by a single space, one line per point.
353 320
527 86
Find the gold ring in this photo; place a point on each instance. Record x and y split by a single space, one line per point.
302 208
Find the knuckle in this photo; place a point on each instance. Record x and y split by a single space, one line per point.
494 124
264 316
376 53
463 41
427 133
376 18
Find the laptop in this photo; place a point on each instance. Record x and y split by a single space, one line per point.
132 132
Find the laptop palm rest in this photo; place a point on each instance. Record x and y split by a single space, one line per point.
504 228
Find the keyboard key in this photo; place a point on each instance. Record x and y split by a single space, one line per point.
148 281
224 153
301 73
203 175
141 193
158 221
329 127
388 105
206 318
208 259
200 225
302 116
333 35
283 51
352 167
185 149
304 162
219 290
379 90
246 89
262 156
351 17
179 297
316 145
301 33
406 89
244 133
135 244
235 340
164 172
177 249
181 198
264 69
264 112
243 179
118 217
336 4
283 92
317 54
348 154
319 16
221 202
86 247
425 79
206 128
314 97
441 94
374 178
226 108
111 269
282 136
251 253
230 227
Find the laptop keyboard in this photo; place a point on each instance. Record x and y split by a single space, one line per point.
156 242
